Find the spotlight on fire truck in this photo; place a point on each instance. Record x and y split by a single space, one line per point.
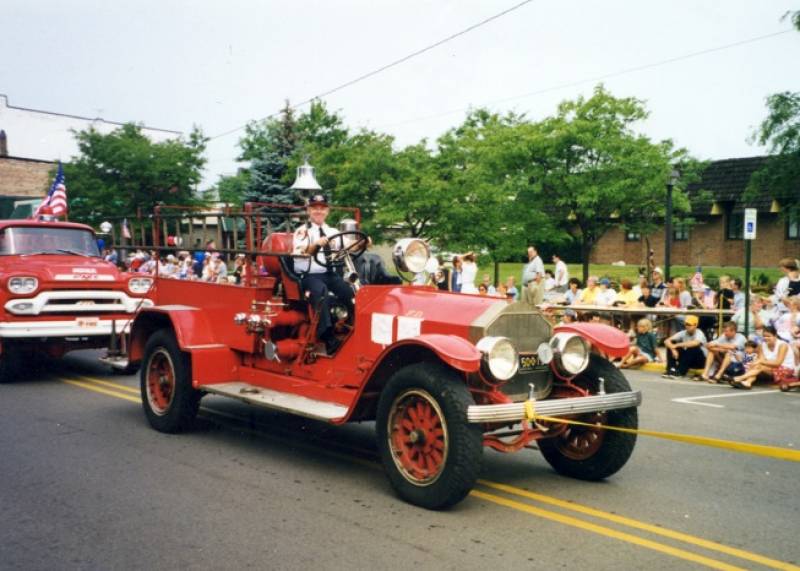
500 358
411 255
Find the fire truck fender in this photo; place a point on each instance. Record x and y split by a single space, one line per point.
607 339
211 361
455 352
189 325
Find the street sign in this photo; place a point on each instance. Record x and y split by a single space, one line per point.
750 217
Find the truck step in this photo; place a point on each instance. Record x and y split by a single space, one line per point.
118 363
295 404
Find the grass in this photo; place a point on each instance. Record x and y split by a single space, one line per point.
759 276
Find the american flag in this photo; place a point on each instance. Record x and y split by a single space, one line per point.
126 233
56 197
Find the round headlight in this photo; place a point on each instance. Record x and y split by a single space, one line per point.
411 255
22 284
500 358
571 353
140 285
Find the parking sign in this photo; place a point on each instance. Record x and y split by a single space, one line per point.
750 217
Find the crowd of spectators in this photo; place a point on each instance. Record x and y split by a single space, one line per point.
767 347
738 349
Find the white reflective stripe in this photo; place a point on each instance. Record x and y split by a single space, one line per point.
68 328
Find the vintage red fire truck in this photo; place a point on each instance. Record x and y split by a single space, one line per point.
58 294
443 375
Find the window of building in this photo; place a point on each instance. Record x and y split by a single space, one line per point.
793 226
680 232
734 226
632 236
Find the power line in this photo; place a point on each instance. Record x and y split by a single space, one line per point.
591 79
388 65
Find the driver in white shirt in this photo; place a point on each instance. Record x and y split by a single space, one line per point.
309 239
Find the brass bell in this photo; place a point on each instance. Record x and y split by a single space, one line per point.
305 182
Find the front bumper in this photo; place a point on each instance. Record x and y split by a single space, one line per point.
530 409
79 327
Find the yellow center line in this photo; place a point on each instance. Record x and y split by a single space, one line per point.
117 386
606 531
97 389
93 384
677 535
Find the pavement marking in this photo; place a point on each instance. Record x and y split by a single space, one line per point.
520 506
606 531
691 400
657 530
90 386
117 386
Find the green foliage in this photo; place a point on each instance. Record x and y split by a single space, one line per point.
232 189
779 179
265 181
587 169
118 173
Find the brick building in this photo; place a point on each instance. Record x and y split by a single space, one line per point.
715 236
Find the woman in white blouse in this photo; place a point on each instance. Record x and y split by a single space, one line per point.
775 361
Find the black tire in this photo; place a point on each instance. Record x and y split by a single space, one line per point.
588 454
456 453
169 401
9 365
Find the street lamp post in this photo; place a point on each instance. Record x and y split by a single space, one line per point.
673 178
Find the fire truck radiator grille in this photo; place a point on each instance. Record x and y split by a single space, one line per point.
527 331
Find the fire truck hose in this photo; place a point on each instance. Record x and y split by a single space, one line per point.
756 449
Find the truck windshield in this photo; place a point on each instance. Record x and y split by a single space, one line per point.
39 240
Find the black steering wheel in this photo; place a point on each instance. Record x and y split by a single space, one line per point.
335 258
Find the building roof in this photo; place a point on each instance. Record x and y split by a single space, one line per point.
725 182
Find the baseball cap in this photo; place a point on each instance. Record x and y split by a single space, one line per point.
318 200
605 282
692 320
658 270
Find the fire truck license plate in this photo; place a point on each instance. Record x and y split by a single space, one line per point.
87 322
528 362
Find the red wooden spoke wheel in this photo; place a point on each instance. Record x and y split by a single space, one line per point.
160 381
581 442
419 437
590 453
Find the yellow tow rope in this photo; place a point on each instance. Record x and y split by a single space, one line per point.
756 449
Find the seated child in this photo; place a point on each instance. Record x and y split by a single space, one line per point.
644 351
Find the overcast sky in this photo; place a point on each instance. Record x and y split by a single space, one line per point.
173 64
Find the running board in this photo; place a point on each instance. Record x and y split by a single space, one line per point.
295 404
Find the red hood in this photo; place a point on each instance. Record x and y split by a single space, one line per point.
63 269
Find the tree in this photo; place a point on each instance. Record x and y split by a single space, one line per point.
265 181
779 179
587 168
117 173
231 189
780 131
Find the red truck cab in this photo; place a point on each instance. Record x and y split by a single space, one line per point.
57 294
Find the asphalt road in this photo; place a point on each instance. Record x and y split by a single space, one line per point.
86 484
